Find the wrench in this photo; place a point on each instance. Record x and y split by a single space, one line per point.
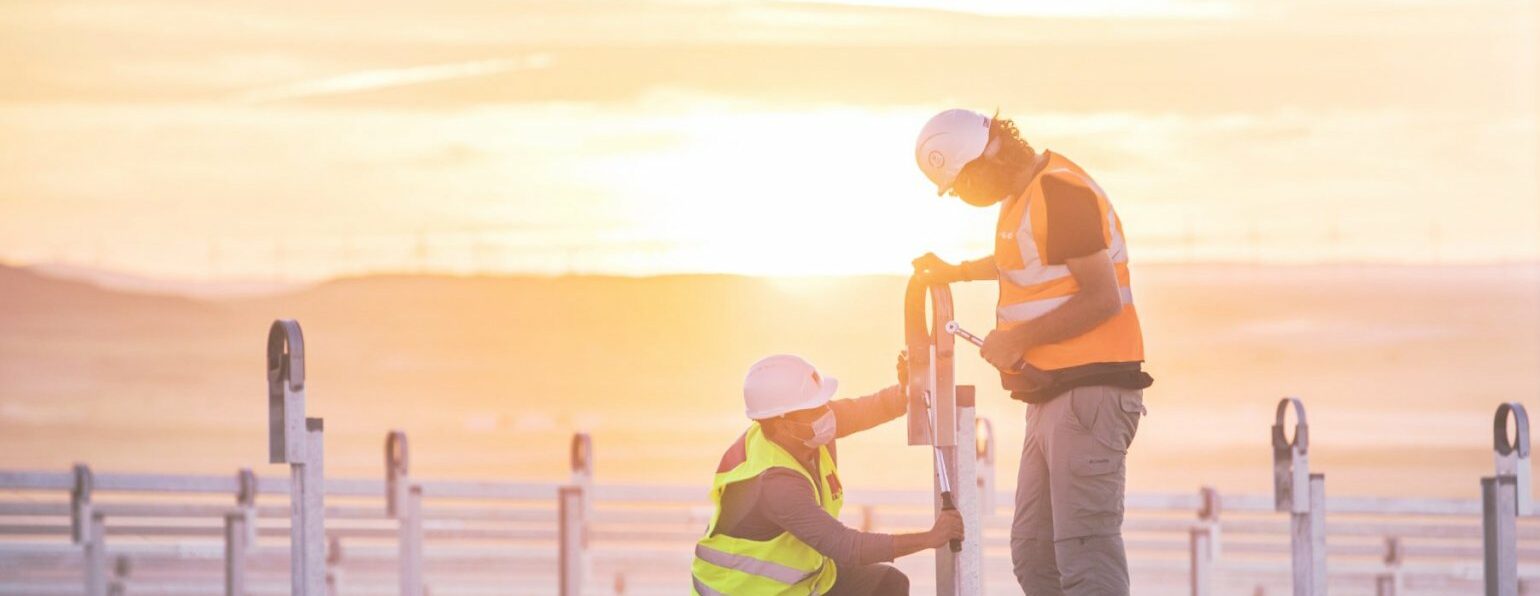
953 328
944 477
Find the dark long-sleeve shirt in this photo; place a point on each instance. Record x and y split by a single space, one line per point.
781 500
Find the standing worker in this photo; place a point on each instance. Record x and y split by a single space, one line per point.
777 494
1066 308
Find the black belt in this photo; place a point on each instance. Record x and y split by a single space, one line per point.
1125 375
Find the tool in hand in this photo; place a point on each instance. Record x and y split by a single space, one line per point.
953 328
1034 379
941 471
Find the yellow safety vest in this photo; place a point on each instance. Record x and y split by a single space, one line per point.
781 565
1029 288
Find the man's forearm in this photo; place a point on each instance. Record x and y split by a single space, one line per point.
908 544
855 415
1077 316
980 269
788 500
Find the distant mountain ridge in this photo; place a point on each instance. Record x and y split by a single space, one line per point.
139 284
489 374
27 288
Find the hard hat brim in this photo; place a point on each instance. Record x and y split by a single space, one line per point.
825 393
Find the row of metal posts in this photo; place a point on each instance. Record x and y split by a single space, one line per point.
1505 497
297 440
291 439
404 498
1296 491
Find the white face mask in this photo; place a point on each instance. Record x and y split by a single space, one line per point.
823 430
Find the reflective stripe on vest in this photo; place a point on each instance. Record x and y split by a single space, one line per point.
775 571
1030 288
782 564
1026 311
1034 272
701 589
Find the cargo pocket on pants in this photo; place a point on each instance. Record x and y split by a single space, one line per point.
1097 492
1132 409
1111 416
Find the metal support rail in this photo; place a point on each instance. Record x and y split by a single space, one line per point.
1371 528
934 396
297 441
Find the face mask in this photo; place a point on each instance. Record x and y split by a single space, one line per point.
823 430
983 183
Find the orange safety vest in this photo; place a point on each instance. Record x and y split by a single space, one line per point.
1030 288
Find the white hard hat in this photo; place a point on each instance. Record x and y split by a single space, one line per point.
784 383
948 142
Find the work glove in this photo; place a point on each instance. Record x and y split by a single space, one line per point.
932 270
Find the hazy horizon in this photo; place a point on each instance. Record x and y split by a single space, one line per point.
491 375
198 287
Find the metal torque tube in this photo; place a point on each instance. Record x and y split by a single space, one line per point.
938 418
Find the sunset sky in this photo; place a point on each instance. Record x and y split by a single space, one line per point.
249 139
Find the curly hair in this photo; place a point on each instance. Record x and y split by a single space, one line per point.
1013 148
985 181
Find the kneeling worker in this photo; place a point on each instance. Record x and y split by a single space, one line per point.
778 495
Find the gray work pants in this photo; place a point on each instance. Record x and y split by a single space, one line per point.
1066 536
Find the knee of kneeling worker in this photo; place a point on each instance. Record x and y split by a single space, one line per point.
893 582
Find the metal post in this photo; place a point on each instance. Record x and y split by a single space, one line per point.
121 568
403 501
285 393
1390 582
985 442
1204 542
413 582
240 532
948 569
970 576
573 540
1208 515
235 553
1317 533
1504 498
86 529
308 537
1303 496
84 483
1499 521
397 481
96 556
931 375
1512 457
1201 560
297 440
333 565
246 502
581 460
